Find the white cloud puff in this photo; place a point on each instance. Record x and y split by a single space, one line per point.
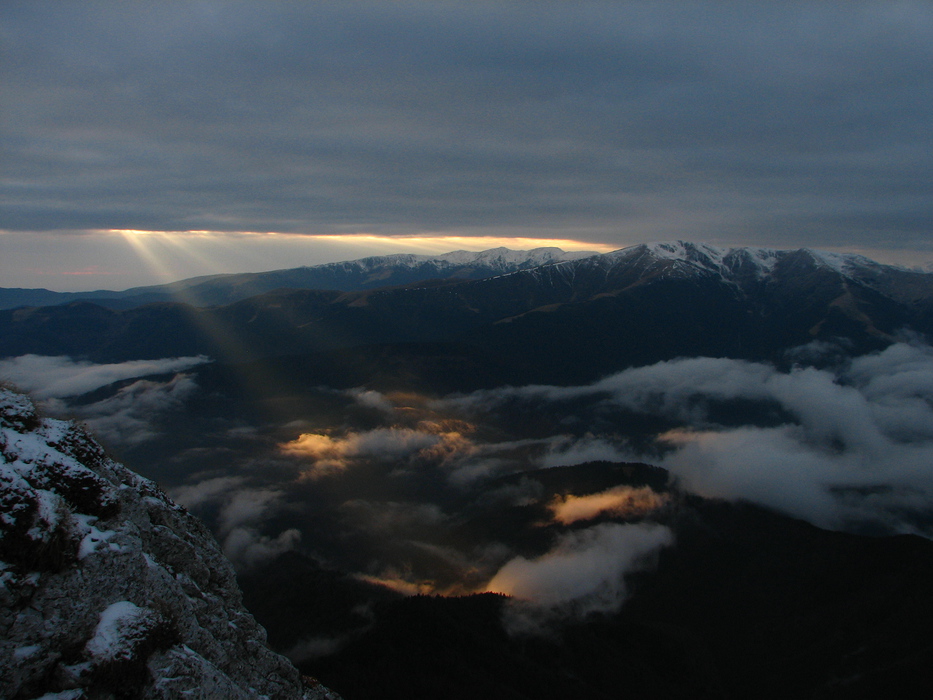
586 568
620 501
565 451
246 548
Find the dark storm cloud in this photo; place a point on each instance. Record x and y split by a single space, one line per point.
729 121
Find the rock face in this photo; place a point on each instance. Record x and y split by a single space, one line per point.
108 588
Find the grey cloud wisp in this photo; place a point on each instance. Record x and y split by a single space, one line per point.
124 418
59 377
772 123
241 509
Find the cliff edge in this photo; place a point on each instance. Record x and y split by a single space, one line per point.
108 588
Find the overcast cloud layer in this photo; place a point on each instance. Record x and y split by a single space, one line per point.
779 124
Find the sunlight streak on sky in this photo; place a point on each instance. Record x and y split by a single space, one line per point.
124 258
783 125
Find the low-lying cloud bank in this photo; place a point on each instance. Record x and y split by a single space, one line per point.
125 418
382 482
415 435
855 449
59 377
128 417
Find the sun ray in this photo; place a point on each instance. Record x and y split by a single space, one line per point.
141 243
155 248
169 254
204 246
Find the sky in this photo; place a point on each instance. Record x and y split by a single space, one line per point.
149 141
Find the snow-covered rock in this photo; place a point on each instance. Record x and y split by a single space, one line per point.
108 588
741 267
726 261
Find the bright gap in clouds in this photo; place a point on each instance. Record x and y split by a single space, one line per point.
435 245
219 252
119 259
169 256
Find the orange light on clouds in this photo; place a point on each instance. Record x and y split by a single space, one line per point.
168 256
620 502
425 243
401 585
428 440
85 271
442 244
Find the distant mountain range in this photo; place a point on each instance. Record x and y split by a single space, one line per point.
355 275
567 320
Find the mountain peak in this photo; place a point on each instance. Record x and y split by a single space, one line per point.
685 250
843 263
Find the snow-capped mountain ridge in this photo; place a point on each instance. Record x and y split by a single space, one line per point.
629 306
732 265
497 258
677 258
725 260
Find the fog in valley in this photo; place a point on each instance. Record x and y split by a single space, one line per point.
409 490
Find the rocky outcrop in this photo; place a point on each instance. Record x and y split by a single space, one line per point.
108 588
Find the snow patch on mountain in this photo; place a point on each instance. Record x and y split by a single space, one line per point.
762 260
506 258
843 263
699 254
